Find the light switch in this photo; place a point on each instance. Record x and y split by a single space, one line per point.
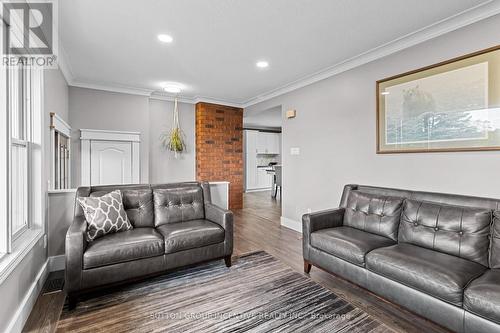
295 151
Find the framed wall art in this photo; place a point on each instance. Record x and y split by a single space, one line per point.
450 106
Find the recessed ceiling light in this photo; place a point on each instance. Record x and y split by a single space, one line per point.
173 89
165 38
262 64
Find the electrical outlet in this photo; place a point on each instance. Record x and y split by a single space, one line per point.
309 210
295 151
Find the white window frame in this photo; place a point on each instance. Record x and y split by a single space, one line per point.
4 155
14 247
23 142
15 234
31 141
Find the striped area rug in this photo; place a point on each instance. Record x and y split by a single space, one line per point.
257 294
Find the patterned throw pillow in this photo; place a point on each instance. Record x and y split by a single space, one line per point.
104 215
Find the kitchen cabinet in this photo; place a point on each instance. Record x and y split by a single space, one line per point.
268 143
264 180
251 159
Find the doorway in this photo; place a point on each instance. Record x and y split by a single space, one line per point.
262 141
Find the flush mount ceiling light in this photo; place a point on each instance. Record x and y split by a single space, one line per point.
262 64
173 89
165 38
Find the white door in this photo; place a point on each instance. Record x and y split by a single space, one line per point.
110 163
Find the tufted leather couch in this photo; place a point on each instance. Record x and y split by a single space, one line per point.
174 225
436 254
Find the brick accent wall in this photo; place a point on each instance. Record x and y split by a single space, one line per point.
219 148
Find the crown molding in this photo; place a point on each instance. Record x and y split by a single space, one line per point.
193 100
457 21
152 94
112 88
170 98
454 22
210 100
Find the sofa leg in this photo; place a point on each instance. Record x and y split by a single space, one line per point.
72 301
307 267
227 260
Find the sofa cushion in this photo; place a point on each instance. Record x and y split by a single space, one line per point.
190 235
105 215
373 213
495 241
482 296
178 204
138 204
348 243
139 207
456 230
124 246
438 274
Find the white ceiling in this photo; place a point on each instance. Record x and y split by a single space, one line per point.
270 118
113 44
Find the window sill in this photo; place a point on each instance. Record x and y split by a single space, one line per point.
69 190
26 242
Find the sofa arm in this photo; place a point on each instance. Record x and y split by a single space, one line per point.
224 218
76 243
316 221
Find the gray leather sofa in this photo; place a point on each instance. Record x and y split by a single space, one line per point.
436 254
174 225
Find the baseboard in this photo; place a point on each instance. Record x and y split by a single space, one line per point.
258 190
23 312
291 224
57 263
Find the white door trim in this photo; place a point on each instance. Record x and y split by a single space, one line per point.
87 136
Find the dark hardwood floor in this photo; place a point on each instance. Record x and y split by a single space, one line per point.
257 227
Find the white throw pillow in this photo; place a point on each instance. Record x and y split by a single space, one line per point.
104 215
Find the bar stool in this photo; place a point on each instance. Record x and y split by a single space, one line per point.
277 180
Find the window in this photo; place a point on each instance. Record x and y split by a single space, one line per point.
21 191
19 109
25 187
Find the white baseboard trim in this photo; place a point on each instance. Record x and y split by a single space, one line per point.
23 312
258 190
57 263
291 224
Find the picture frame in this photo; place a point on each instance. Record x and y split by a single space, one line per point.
450 106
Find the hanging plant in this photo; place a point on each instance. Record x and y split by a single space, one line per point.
174 140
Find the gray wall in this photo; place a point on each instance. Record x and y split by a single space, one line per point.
102 110
56 93
97 109
163 166
18 284
55 100
61 210
335 130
